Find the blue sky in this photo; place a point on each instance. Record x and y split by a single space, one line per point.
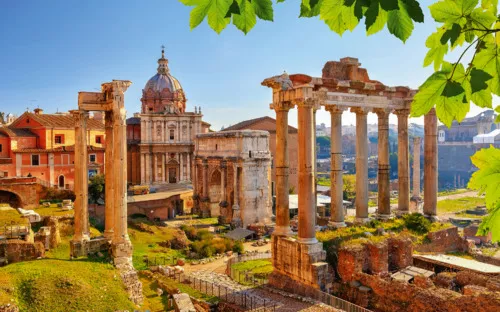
53 49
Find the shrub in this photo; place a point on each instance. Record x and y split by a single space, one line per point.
53 194
238 247
204 235
190 231
417 223
138 216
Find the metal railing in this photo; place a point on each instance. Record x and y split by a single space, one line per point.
240 298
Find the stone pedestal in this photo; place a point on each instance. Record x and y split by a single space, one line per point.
299 266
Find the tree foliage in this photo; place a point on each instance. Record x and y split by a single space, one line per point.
96 187
469 26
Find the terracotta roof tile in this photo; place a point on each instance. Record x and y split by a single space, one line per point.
17 132
63 121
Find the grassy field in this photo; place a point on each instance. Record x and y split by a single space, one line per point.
459 204
147 244
453 192
11 216
53 210
260 268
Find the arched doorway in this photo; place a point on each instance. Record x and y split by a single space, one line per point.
10 198
61 182
214 193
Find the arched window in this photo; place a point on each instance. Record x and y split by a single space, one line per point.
61 181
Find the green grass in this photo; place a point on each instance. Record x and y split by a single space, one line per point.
453 192
53 210
152 301
459 204
202 221
372 203
147 244
260 268
11 216
186 288
324 182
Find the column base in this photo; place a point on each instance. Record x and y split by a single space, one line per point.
109 235
307 241
282 231
432 218
383 216
401 213
121 252
336 225
360 220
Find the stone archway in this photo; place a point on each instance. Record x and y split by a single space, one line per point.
214 192
10 198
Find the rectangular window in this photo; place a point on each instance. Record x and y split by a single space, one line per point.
59 139
98 139
172 137
1 148
92 158
65 159
35 160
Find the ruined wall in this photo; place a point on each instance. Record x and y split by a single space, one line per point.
446 240
395 296
19 250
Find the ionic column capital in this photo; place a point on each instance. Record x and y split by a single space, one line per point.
284 106
335 109
405 112
382 112
360 110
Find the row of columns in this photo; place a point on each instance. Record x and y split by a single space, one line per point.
151 160
115 169
306 194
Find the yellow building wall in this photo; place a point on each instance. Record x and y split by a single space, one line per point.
69 137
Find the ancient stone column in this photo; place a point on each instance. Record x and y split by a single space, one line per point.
337 184
155 168
181 178
430 163
163 159
205 179
307 210
282 166
109 218
384 183
403 162
143 164
147 169
81 176
189 178
416 166
223 173
236 188
361 164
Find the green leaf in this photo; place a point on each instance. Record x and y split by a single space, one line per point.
263 9
217 14
482 98
349 17
437 50
414 10
488 60
233 9
491 223
452 88
487 178
389 5
451 34
466 6
399 22
247 18
199 13
445 11
313 10
428 93
331 14
478 79
490 5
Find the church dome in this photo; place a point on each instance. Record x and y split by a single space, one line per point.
163 79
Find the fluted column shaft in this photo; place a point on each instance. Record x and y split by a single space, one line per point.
307 147
81 176
430 163
416 166
109 219
205 178
384 183
403 162
143 165
361 164
282 168
337 184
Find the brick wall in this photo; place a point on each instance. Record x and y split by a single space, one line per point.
446 240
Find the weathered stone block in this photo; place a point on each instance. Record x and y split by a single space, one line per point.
400 252
19 250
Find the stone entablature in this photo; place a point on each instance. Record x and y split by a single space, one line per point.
231 176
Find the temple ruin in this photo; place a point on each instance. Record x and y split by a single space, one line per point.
344 85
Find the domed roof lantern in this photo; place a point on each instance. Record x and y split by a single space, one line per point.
163 63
